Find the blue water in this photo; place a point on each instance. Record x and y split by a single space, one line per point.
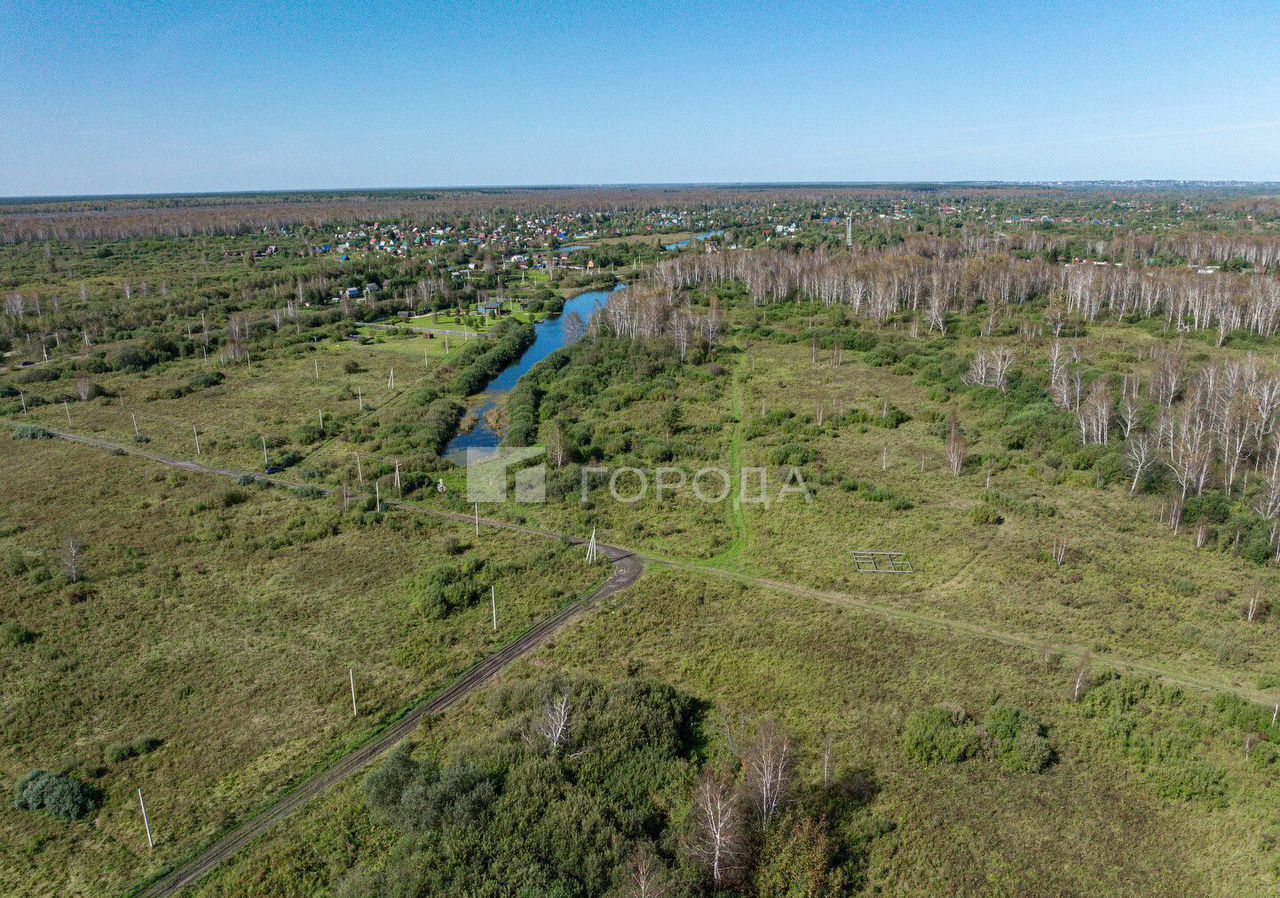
684 243
548 337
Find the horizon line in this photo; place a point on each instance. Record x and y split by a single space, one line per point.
30 199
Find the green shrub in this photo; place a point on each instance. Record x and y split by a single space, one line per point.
62 796
15 635
984 515
939 736
1017 740
1211 508
118 752
31 432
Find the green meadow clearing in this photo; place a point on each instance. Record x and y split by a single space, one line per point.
203 651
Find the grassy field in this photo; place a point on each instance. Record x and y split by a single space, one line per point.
1099 821
1128 584
220 622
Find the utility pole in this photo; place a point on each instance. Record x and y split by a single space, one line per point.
591 548
146 821
352 674
136 432
477 519
359 469
196 434
398 477
316 363
66 408
493 601
264 450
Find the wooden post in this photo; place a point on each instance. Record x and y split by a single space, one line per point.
146 821
355 712
66 408
360 398
377 495
391 379
426 359
321 422
136 432
493 600
23 397
398 477
477 519
316 362
264 451
359 469
196 434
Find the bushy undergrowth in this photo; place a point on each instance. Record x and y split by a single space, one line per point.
62 796
1007 735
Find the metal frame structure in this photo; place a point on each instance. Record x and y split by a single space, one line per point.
882 563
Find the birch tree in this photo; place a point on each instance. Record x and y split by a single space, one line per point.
716 841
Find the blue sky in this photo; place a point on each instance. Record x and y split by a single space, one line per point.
150 97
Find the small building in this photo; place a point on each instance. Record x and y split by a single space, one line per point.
492 308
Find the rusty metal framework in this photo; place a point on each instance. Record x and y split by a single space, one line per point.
882 563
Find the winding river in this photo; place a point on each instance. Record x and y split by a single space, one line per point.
548 337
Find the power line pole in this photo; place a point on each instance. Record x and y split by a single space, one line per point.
146 821
352 674
493 600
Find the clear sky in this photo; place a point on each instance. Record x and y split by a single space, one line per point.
111 97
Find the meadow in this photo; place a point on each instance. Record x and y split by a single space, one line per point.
202 650
1109 816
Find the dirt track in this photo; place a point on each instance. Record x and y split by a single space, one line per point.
627 568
